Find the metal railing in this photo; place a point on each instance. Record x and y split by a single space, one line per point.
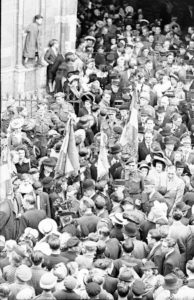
28 100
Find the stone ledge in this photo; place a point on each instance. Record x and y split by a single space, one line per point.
20 80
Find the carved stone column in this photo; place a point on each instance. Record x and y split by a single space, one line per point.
68 25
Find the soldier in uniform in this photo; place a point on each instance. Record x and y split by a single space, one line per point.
134 182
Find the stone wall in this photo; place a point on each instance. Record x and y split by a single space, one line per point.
59 22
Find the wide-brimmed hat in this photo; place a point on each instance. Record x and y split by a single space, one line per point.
48 281
158 159
143 164
73 77
47 226
118 219
175 76
171 282
89 37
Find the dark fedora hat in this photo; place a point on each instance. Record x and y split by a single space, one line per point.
160 110
115 149
180 164
166 131
130 229
50 162
47 182
110 57
83 120
171 282
138 288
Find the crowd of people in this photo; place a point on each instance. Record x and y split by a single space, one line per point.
121 226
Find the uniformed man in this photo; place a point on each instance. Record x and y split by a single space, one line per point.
133 179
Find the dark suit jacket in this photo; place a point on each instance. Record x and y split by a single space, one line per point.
82 112
125 79
180 130
172 261
157 257
128 260
31 218
88 224
148 203
143 151
8 222
113 249
171 157
37 272
110 284
144 229
66 295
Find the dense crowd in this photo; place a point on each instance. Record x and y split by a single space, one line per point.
118 224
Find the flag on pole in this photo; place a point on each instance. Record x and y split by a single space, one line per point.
129 135
68 160
102 164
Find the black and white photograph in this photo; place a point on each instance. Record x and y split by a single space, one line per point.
97 150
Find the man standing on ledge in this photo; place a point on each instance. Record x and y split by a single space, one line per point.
32 42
